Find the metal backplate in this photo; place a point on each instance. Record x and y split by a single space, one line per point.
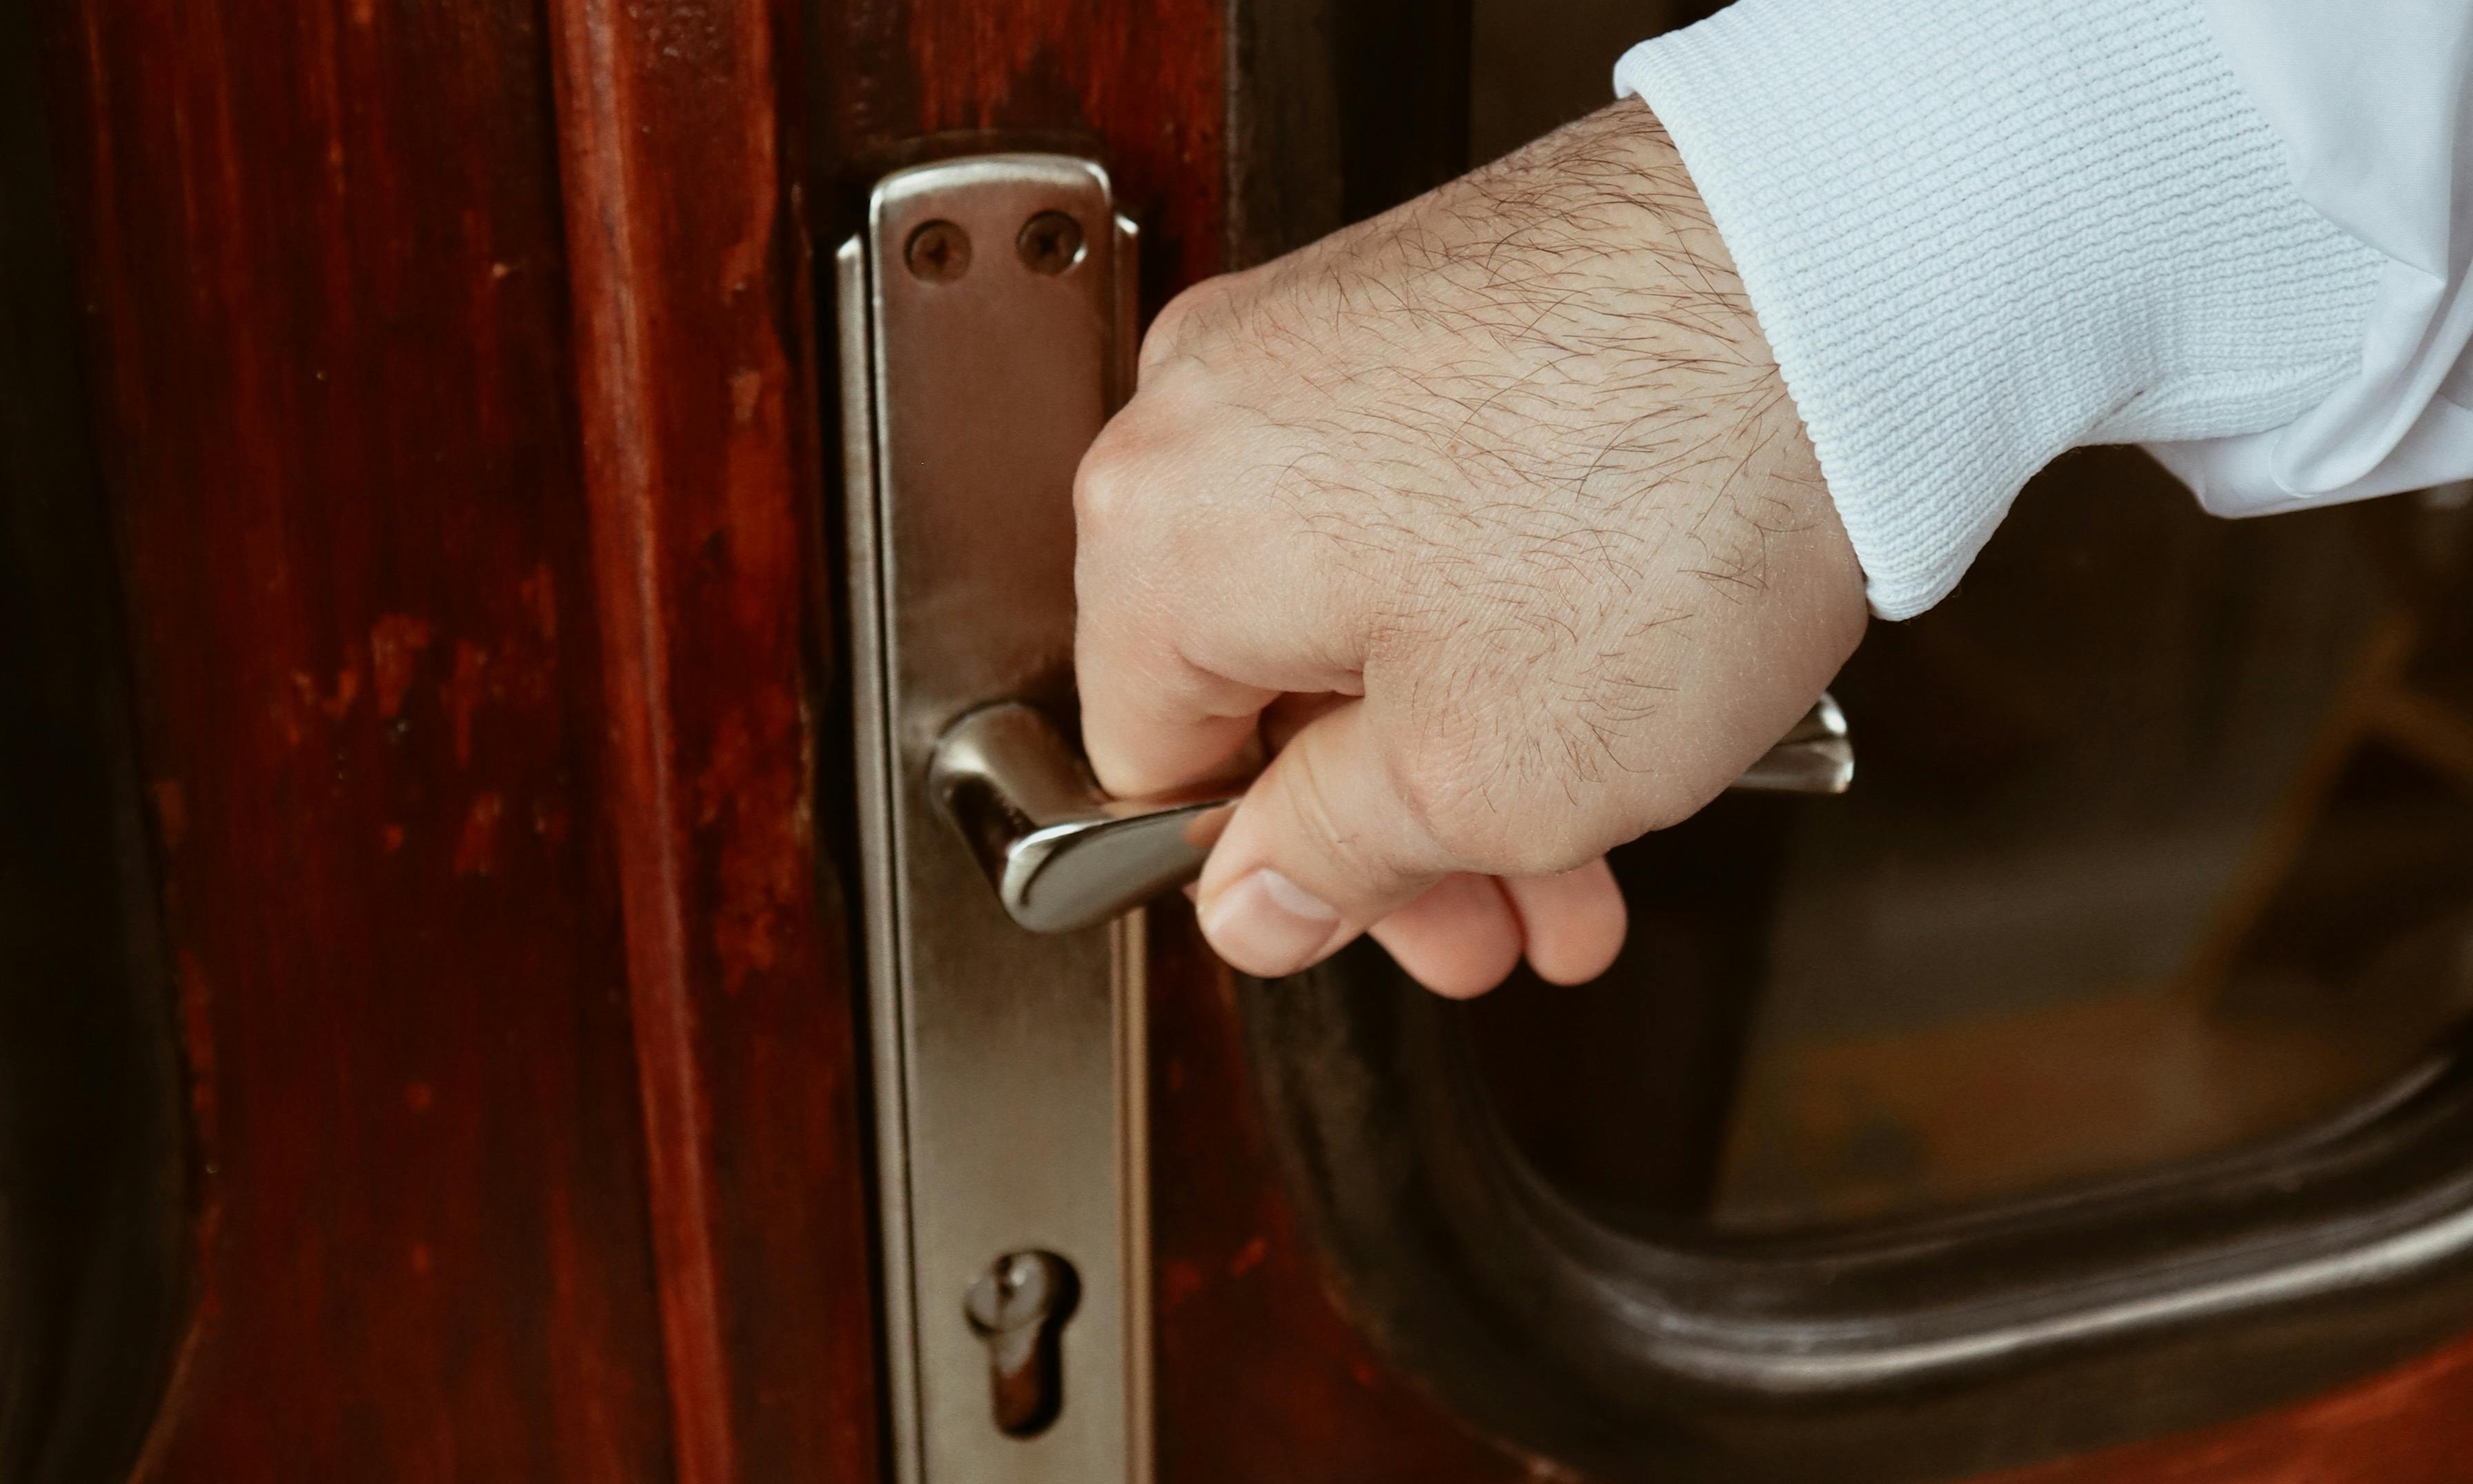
984 341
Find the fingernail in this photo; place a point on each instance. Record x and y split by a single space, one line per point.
1267 924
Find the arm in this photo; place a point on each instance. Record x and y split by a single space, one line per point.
1507 492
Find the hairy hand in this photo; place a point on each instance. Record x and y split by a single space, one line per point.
1492 513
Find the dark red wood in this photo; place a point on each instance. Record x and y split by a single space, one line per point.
695 347
322 251
1261 1376
2412 1425
465 545
1138 83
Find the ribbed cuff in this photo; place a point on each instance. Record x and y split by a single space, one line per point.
1980 232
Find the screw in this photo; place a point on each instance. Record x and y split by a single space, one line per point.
938 251
1050 242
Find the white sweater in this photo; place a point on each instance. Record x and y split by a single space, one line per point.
1978 233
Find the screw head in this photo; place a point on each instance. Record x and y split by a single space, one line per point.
1050 242
938 251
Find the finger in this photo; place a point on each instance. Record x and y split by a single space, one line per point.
1459 940
1155 717
1572 924
1153 721
1321 848
1194 610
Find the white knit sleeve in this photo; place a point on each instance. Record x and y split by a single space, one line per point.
1980 232
2373 100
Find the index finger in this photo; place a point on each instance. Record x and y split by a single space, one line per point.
1193 614
1152 721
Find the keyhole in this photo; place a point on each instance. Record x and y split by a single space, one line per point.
1018 1307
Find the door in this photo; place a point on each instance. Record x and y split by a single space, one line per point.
424 398
429 558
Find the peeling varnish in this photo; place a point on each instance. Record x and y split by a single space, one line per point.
335 702
757 798
395 643
539 594
462 696
476 849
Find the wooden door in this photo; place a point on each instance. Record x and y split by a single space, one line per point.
448 389
423 556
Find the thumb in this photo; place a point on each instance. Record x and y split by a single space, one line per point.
1322 847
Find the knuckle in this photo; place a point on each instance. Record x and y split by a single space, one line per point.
1104 486
1198 317
1179 322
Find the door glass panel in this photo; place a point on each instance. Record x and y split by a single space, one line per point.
2161 841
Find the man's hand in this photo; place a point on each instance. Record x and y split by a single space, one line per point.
1493 516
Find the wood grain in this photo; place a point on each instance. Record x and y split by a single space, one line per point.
323 253
2412 1425
92 1148
467 543
1137 84
1261 1373
694 338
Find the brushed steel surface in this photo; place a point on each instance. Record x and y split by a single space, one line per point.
1009 1065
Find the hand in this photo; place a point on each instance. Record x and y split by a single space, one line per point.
1496 503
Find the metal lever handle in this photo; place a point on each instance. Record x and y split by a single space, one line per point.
1063 855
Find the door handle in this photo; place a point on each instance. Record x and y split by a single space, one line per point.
986 317
1063 855
986 331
